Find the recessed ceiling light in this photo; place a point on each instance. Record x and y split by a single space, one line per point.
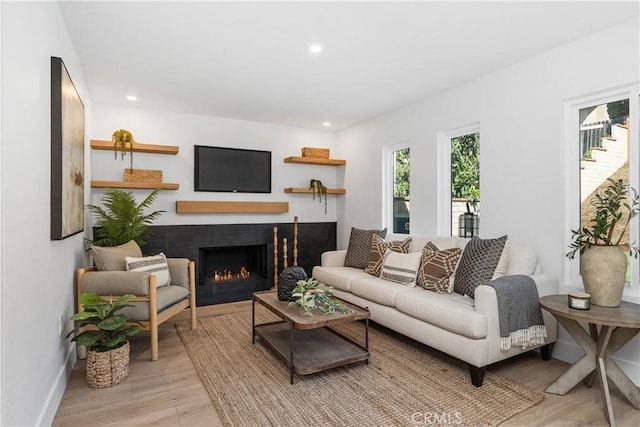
326 124
132 98
315 48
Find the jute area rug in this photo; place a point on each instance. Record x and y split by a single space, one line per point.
404 384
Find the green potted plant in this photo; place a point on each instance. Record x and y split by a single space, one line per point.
603 262
310 295
123 142
317 187
122 219
104 332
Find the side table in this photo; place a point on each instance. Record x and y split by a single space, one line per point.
617 326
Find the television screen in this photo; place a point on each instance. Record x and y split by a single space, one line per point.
232 170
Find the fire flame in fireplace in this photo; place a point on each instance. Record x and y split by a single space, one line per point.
226 275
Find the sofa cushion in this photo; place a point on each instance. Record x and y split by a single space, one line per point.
400 268
377 290
442 310
522 260
378 248
156 265
477 264
112 258
359 247
503 264
338 277
437 267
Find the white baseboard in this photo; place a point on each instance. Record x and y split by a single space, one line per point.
54 397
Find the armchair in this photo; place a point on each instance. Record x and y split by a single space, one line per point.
153 305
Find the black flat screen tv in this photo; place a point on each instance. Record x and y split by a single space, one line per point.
234 170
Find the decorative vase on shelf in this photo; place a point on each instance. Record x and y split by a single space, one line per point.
603 270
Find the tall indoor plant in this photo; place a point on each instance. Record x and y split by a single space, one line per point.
122 219
603 263
104 332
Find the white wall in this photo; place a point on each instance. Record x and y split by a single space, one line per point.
521 117
185 131
37 273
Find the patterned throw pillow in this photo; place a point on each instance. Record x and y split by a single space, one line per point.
436 268
378 249
156 265
478 263
400 268
359 247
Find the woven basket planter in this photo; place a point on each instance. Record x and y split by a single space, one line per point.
143 175
287 282
318 153
107 368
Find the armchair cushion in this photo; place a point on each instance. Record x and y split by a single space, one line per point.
167 296
112 258
179 271
116 282
156 265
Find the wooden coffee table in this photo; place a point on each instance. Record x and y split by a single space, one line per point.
308 344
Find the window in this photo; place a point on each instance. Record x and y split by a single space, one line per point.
602 143
459 188
397 185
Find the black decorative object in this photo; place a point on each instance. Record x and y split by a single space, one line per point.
287 282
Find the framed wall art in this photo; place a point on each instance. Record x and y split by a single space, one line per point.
67 154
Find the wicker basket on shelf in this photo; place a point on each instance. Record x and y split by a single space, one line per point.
107 368
318 153
143 175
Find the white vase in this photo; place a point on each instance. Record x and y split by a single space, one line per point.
603 270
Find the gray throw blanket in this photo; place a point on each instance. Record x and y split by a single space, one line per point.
519 312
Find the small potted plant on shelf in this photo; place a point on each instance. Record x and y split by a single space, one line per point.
311 294
603 259
122 219
123 142
104 332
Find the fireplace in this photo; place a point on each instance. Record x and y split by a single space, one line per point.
231 273
251 243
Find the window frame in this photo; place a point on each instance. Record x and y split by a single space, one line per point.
571 162
443 221
388 180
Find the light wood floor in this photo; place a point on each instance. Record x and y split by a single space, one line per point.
169 393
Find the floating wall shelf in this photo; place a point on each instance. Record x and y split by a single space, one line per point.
140 185
137 147
309 191
217 207
315 161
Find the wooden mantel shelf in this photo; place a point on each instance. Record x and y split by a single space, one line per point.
309 191
139 185
137 147
220 207
315 161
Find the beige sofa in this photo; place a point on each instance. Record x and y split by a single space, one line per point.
465 328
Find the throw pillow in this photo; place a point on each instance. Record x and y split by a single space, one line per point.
112 258
400 268
436 268
359 246
378 249
501 268
156 265
478 263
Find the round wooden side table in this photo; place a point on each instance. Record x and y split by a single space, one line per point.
617 326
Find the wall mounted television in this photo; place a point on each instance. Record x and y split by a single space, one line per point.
234 170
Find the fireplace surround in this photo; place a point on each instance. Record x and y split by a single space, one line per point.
243 244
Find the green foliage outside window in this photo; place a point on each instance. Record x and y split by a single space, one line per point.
401 173
465 168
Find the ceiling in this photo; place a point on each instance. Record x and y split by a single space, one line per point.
250 60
